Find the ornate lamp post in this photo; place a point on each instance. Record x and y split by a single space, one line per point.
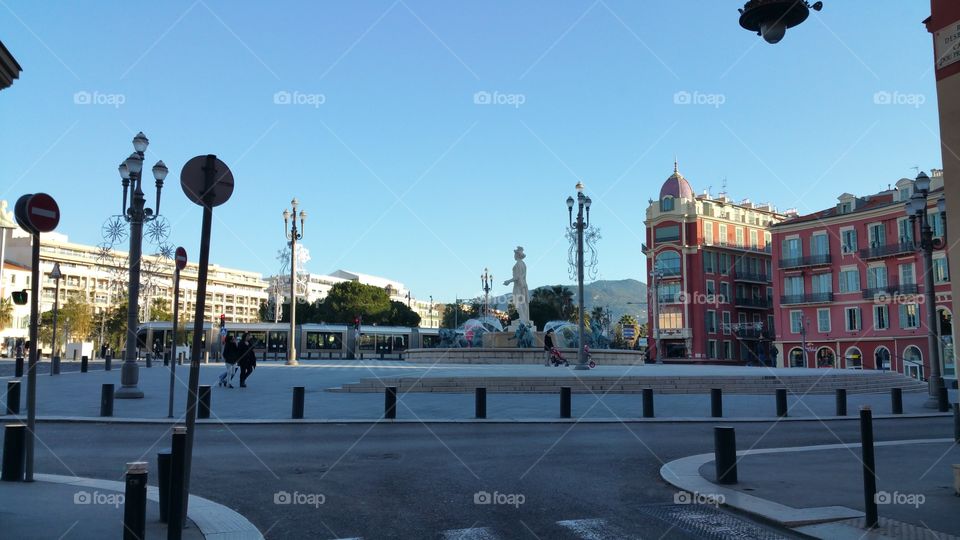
136 215
917 210
486 282
581 223
293 234
771 18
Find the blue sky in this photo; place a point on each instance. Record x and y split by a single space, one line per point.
403 174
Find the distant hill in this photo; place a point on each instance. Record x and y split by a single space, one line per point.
614 295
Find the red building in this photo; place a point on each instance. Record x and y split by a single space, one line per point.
709 270
849 285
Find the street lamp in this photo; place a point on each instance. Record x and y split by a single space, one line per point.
916 208
804 322
771 18
431 311
581 223
486 280
657 276
56 274
136 215
293 235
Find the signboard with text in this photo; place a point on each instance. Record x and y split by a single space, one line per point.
946 45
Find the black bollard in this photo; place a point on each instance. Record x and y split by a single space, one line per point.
203 406
13 397
781 402
390 402
869 467
480 402
943 399
956 422
648 411
725 454
106 400
716 402
896 400
175 513
18 371
298 394
166 359
135 502
107 362
84 364
149 357
55 365
14 452
565 402
163 483
841 401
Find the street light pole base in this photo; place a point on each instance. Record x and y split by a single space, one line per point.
581 367
291 362
128 392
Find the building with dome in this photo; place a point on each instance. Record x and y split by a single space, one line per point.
709 271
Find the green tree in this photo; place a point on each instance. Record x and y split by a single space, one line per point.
400 315
160 310
627 319
575 319
77 317
348 299
542 312
455 314
6 313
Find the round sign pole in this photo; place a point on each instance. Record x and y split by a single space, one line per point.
181 262
208 182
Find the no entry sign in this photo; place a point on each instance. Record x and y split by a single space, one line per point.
181 258
37 213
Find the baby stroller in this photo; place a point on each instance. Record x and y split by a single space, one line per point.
556 358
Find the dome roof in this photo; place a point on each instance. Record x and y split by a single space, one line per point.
676 186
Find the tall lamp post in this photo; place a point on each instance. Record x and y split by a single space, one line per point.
581 223
917 210
136 215
293 234
56 274
804 322
486 281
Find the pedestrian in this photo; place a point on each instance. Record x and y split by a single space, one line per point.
247 358
230 355
547 346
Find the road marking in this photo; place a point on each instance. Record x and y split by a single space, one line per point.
593 529
473 533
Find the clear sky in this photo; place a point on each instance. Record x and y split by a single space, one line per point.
403 173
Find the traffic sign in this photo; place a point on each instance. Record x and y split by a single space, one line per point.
56 273
203 191
20 213
42 212
181 258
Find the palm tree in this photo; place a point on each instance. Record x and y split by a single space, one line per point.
6 313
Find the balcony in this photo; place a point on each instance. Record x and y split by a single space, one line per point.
892 289
677 298
889 250
668 273
752 303
811 298
768 249
751 277
748 333
810 260
673 333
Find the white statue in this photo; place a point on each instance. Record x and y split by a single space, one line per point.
521 295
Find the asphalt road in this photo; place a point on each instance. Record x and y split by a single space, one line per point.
416 481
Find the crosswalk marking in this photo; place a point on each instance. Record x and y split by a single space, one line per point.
473 533
593 529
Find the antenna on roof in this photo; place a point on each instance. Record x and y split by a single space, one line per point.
723 187
916 169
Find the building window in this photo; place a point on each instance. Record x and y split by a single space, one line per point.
666 204
708 232
797 358
723 234
821 283
823 320
726 323
724 264
907 274
792 248
849 280
711 348
941 270
793 285
876 234
936 223
724 292
754 239
727 350
709 262
881 358
905 230
711 287
909 316
820 244
739 236
877 277
711 322
668 262
796 322
853 319
881 317
848 240
667 233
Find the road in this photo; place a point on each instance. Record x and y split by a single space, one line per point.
415 481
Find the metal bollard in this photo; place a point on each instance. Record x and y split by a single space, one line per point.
565 402
163 484
106 400
14 452
648 411
135 502
149 358
896 400
166 359
956 422
781 402
390 402
55 365
19 367
869 467
725 454
84 364
107 362
841 401
716 402
203 404
175 512
943 399
298 396
480 402
13 397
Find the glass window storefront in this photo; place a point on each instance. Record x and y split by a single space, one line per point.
325 340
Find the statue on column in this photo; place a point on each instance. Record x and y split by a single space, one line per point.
521 294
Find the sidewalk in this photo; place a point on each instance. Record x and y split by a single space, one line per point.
914 483
269 395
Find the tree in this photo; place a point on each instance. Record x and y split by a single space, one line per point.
575 319
160 310
455 314
349 299
77 317
542 312
627 319
400 314
6 313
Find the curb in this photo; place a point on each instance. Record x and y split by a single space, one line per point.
214 520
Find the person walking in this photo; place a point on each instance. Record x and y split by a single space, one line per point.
547 346
230 355
247 358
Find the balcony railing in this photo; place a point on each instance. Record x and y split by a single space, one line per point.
810 298
677 298
733 245
751 276
809 260
669 272
888 250
891 289
756 303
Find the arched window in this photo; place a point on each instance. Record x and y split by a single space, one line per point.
913 362
796 358
881 358
666 204
826 358
854 358
668 262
